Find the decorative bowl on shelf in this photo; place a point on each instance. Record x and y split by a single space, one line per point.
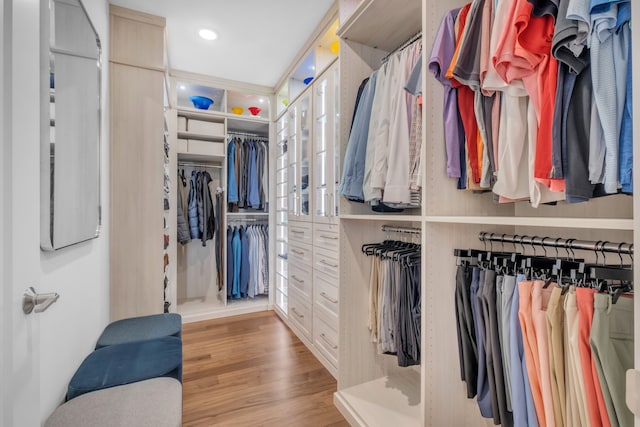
237 110
254 110
201 102
307 80
335 47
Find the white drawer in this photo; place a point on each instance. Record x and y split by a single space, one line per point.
326 296
326 261
300 314
183 145
205 128
206 148
326 236
325 339
301 280
182 124
300 232
300 254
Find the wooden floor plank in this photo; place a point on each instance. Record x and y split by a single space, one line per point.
251 370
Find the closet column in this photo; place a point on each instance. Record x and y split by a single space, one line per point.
136 163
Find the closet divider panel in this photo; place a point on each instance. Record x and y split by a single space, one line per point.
359 359
196 264
446 394
136 163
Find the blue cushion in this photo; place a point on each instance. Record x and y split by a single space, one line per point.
140 329
121 364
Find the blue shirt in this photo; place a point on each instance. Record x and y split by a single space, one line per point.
354 159
232 186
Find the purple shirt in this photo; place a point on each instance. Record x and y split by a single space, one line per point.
441 56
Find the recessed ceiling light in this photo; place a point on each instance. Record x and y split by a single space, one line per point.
182 87
260 100
208 34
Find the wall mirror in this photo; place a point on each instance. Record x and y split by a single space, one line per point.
70 117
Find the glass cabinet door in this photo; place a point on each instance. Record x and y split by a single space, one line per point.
282 195
335 141
292 147
304 117
320 150
325 146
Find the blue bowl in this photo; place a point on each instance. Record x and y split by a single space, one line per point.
201 102
307 80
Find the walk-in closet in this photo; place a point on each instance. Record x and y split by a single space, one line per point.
415 201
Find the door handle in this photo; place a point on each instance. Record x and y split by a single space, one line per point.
34 302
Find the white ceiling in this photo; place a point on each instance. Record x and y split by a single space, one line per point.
257 39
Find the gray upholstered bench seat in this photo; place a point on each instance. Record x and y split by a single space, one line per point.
156 402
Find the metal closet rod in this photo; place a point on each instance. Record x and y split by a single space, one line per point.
403 46
408 230
199 165
247 134
550 242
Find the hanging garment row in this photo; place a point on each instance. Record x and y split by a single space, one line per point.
382 161
394 299
247 174
198 217
247 261
545 340
537 98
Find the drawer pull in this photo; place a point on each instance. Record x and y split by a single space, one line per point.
297 231
328 298
322 261
296 313
325 339
297 280
324 236
295 251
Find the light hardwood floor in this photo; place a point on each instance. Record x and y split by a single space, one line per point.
251 370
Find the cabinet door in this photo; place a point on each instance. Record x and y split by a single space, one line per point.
325 125
282 170
292 155
335 143
304 141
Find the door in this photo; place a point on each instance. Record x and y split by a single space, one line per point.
19 212
325 111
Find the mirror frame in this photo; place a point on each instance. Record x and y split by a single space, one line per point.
48 240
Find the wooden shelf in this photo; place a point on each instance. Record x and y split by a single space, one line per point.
200 158
200 137
382 217
206 115
386 401
241 214
559 222
394 23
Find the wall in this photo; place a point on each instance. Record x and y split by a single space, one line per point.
80 273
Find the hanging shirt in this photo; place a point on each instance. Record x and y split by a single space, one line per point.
441 54
232 184
353 166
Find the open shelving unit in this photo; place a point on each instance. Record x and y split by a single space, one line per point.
198 296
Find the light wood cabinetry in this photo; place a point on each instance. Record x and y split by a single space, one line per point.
372 389
200 142
326 113
300 167
136 163
282 216
309 271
